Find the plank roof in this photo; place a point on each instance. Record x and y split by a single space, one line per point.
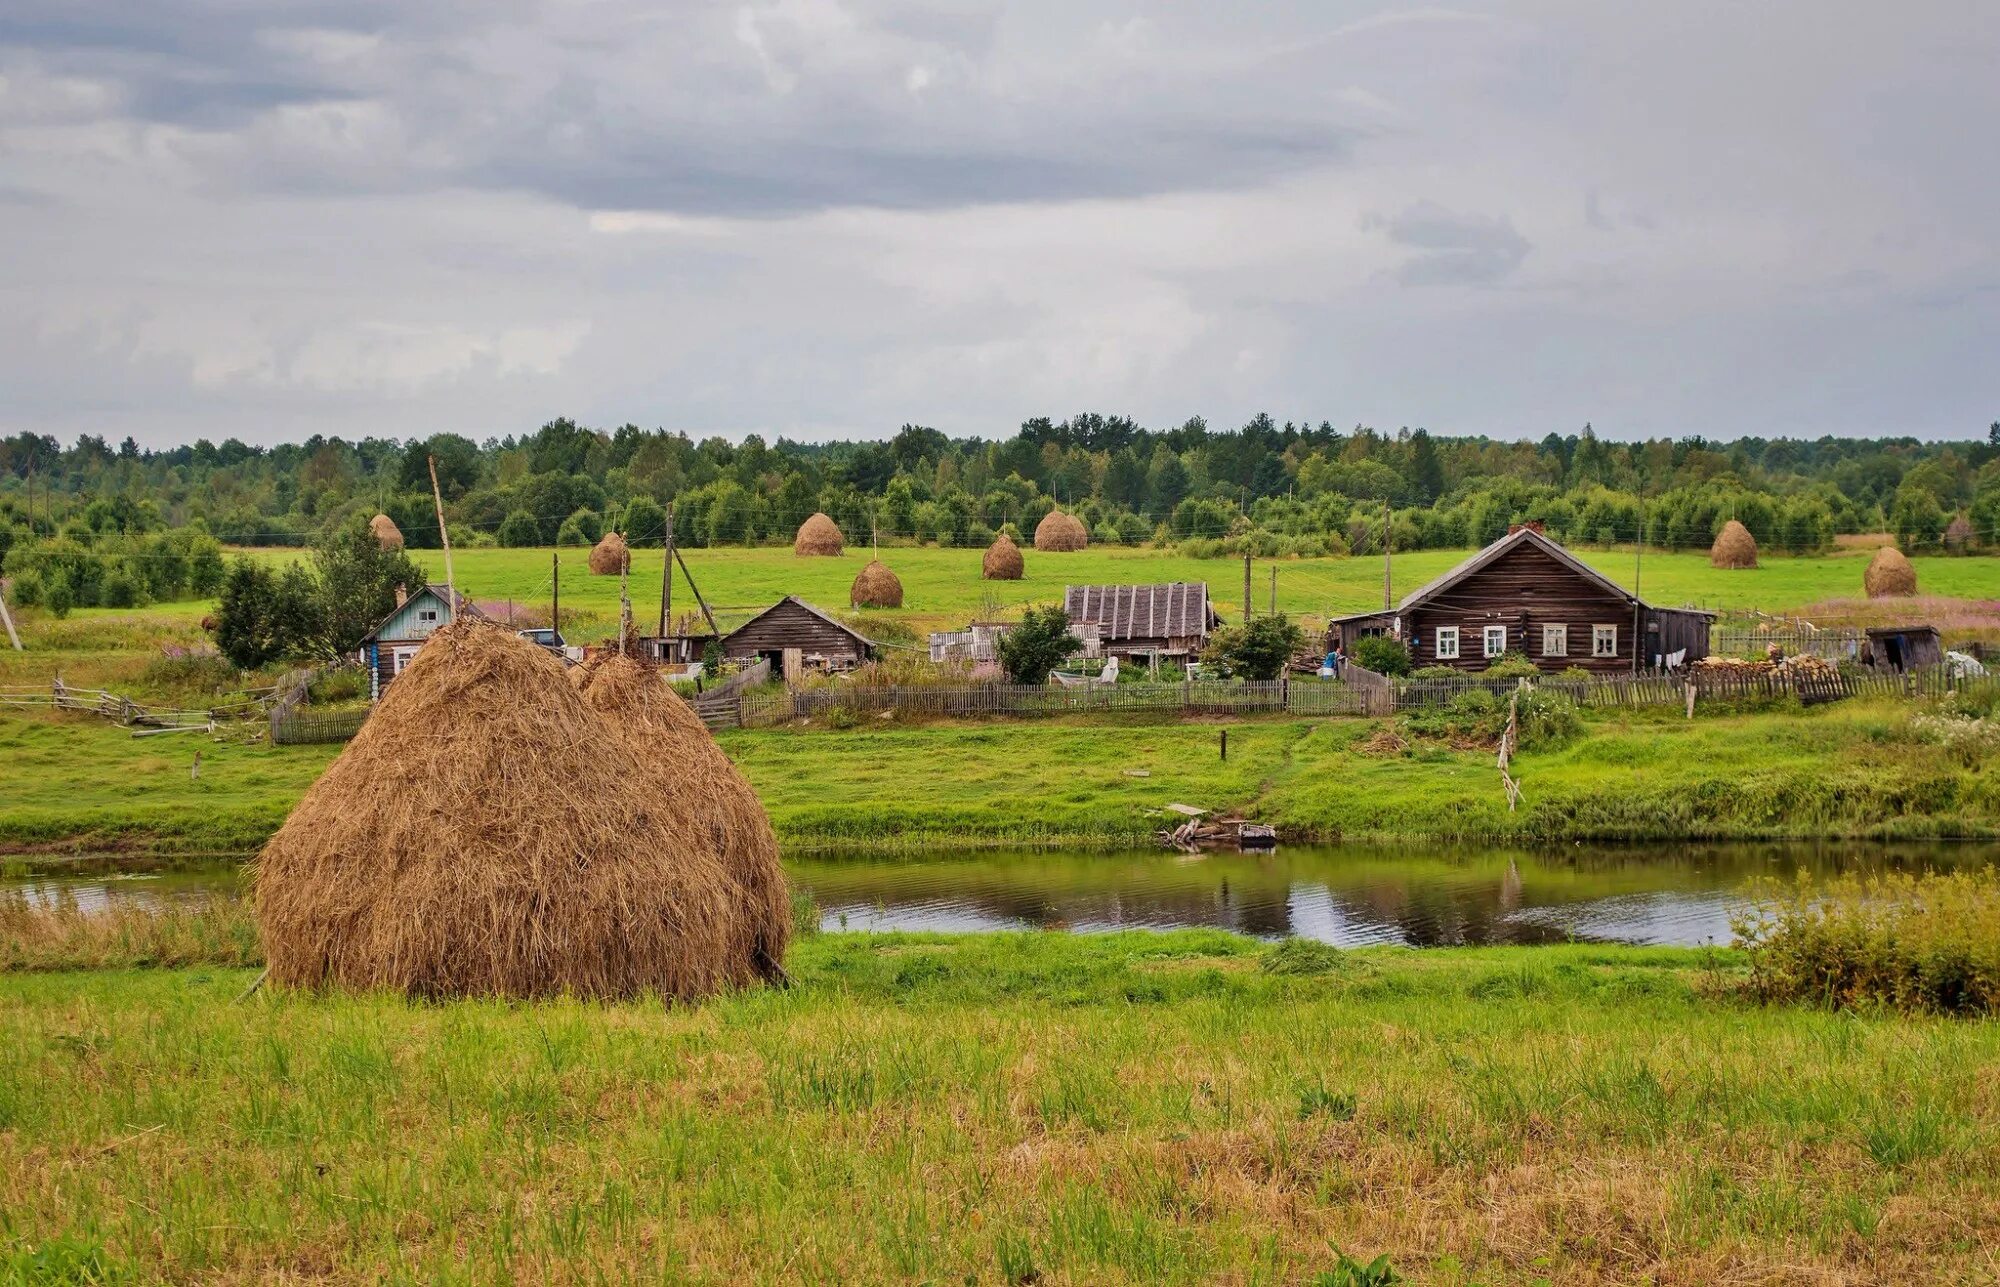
1176 609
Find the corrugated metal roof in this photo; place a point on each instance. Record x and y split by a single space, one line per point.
1177 609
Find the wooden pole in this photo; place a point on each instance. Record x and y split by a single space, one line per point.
555 593
624 600
9 619
437 499
703 603
1388 599
1246 589
667 574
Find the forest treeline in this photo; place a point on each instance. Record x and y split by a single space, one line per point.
96 517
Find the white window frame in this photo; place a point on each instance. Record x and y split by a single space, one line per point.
1447 634
1599 637
1487 640
1557 635
428 616
400 658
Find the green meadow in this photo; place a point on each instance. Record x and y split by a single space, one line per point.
1850 770
1005 1109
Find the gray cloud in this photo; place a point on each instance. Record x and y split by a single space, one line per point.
1456 249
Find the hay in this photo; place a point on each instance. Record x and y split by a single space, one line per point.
488 834
1889 575
1958 534
684 759
1060 533
1734 547
1002 561
386 533
607 557
876 587
818 536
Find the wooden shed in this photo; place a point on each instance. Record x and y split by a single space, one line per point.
388 648
1526 594
791 624
1169 620
1902 648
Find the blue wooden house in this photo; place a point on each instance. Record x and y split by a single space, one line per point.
392 643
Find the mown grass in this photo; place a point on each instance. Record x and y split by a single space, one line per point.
1122 1108
1851 770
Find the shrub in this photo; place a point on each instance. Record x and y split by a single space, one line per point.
1437 671
584 527
1513 665
119 590
1257 651
1383 655
519 530
1038 645
1546 721
1133 530
1924 944
1475 716
26 590
190 672
58 598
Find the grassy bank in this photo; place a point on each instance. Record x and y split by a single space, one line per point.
1851 770
1129 1108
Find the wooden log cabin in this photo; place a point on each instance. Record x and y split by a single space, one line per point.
1171 620
388 648
1526 594
791 625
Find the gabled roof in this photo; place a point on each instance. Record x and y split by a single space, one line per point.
459 605
1174 610
793 598
1520 536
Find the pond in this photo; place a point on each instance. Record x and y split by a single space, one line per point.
1347 895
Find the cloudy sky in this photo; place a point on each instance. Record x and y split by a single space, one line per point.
823 218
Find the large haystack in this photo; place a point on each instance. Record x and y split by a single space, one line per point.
1889 575
1060 532
1002 561
1734 547
488 833
386 533
685 760
818 535
607 557
876 587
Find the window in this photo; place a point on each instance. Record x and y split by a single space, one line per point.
1496 640
400 658
428 616
1447 643
1555 641
1604 641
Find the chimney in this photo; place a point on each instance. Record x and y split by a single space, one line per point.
402 595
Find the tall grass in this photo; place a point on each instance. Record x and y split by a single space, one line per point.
58 934
1926 944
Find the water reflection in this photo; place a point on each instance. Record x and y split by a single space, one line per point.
1348 895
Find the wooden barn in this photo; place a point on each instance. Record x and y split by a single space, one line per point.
1526 594
791 625
1171 620
1901 648
390 645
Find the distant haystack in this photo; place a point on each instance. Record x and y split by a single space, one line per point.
676 746
607 557
386 533
519 847
1734 547
1958 534
818 536
1889 575
1002 561
1060 533
876 587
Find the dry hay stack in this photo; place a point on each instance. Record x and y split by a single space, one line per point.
488 834
684 759
1060 533
607 557
1958 534
1734 547
818 536
876 587
1002 561
386 533
1889 574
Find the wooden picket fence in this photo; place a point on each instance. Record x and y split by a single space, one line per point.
296 726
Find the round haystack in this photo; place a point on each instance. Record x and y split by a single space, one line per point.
1002 561
684 759
1958 534
1060 533
1889 574
1734 547
487 833
386 533
876 587
818 535
607 557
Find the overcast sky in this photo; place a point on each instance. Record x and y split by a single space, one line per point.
823 218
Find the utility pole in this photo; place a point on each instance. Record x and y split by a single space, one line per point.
1388 531
555 593
1246 589
1639 554
437 498
9 621
667 577
1274 592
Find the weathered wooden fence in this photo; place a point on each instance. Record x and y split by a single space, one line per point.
123 710
294 726
1835 644
722 705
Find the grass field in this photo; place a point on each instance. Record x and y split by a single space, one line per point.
1004 1109
1849 770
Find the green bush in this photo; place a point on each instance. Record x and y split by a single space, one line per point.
1512 665
1924 944
58 599
519 530
1383 655
1546 721
1438 671
26 590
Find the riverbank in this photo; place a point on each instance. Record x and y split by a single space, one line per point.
1122 1108
1852 770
